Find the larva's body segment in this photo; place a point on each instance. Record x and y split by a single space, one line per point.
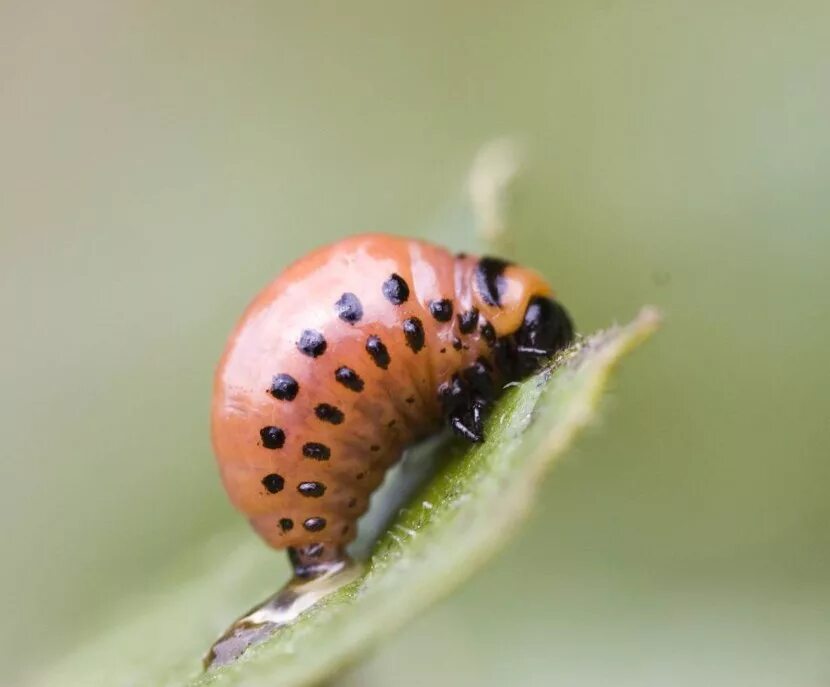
353 353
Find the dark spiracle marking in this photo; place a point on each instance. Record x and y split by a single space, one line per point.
410 399
396 289
488 332
352 503
344 529
349 378
312 489
329 413
490 279
273 482
391 423
311 343
456 343
441 310
317 451
349 309
413 330
284 387
376 348
443 349
467 321
272 437
314 524
360 475
374 448
286 524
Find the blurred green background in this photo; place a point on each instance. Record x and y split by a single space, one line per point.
159 162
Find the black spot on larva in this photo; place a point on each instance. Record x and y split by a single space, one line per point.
410 399
489 333
286 524
441 310
349 378
396 289
360 475
273 482
344 529
413 330
376 349
349 308
314 524
317 451
467 321
352 503
272 437
456 343
312 343
284 387
374 448
329 413
391 423
313 489
490 279
460 256
443 350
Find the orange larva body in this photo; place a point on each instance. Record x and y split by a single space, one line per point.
351 354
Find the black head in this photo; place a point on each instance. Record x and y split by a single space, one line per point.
546 328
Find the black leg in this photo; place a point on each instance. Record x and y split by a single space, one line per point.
314 560
478 411
465 427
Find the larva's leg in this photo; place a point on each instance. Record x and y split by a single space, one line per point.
469 423
464 427
314 560
479 410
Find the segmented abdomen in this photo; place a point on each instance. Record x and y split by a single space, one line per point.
333 370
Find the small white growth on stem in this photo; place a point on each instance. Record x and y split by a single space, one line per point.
409 532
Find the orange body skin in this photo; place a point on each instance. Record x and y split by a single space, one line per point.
396 406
